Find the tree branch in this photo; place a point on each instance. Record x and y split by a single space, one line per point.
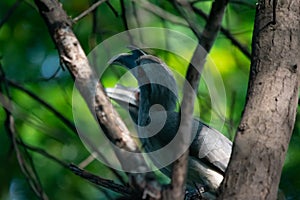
206 40
89 10
147 5
179 21
125 22
109 184
98 181
62 118
226 32
10 12
66 121
72 55
262 138
27 169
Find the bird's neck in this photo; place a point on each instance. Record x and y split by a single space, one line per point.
157 98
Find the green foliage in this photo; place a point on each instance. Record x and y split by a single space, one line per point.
29 57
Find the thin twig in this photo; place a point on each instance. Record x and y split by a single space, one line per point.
43 153
185 9
137 19
61 117
27 169
53 75
74 58
10 12
83 164
125 22
101 181
163 14
226 32
160 12
231 115
35 186
87 11
53 158
66 121
31 165
123 14
112 9
206 40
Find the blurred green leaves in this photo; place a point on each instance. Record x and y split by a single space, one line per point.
29 57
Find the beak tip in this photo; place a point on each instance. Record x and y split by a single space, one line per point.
113 60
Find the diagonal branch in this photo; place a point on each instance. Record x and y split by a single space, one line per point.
98 181
89 10
101 181
226 32
66 121
27 168
147 5
10 12
74 58
163 14
206 40
59 115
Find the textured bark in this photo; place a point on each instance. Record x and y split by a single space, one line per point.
74 58
206 41
263 136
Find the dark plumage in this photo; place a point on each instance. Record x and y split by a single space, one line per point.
209 151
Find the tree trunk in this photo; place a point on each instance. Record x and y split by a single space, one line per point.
263 136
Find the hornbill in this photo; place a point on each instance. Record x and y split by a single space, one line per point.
209 150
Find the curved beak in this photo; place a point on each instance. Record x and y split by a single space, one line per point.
124 95
128 98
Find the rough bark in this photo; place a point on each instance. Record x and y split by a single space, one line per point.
263 135
206 41
74 58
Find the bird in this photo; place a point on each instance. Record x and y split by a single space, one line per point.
153 105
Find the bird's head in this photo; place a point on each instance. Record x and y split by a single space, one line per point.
127 60
156 81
